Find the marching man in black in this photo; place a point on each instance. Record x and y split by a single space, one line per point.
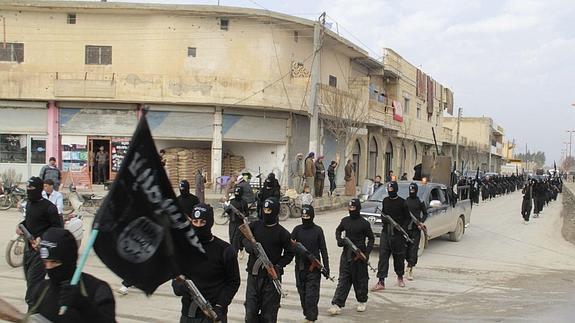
262 298
352 270
311 236
392 242
217 276
418 209
235 220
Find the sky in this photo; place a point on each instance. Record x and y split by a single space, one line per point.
511 60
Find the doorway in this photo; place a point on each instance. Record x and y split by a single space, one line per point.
355 159
99 164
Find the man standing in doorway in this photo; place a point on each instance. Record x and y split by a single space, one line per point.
319 176
51 171
102 159
296 172
310 172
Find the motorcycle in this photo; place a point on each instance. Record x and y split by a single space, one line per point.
222 218
11 197
289 207
15 248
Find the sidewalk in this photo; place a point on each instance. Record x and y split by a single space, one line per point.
320 204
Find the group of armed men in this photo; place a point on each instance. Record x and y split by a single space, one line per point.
271 247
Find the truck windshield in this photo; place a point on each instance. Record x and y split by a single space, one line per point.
381 192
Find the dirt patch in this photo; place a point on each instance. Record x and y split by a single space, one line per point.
568 214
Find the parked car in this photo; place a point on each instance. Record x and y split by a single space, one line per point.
444 216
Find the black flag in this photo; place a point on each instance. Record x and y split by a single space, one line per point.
143 236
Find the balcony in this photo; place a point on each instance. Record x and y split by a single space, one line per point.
448 136
391 63
381 114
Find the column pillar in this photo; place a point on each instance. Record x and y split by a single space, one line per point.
53 139
217 146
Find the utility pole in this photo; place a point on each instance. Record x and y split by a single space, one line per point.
570 139
459 113
315 78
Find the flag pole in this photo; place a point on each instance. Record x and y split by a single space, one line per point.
82 263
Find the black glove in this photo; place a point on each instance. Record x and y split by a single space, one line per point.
340 243
71 296
220 313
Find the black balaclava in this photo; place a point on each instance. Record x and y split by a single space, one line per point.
356 204
204 212
307 215
184 188
60 245
238 192
273 205
413 188
392 189
34 188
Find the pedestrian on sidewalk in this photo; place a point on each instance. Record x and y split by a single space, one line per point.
296 173
309 171
331 176
319 176
51 172
349 179
201 185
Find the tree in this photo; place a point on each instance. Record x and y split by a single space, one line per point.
343 113
568 163
538 158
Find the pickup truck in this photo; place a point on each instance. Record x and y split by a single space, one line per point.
444 216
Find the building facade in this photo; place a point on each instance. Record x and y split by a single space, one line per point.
225 81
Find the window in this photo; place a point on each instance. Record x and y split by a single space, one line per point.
71 19
11 52
191 52
405 106
38 149
419 111
224 24
332 81
295 36
98 55
13 148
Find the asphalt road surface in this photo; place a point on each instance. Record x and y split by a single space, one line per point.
501 271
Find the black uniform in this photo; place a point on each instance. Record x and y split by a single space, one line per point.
235 219
351 271
91 300
271 189
217 276
187 200
526 204
416 207
41 215
308 282
262 299
392 242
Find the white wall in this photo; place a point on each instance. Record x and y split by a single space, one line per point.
270 157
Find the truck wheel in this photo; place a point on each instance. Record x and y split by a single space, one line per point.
459 230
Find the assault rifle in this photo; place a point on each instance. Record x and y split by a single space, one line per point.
238 213
314 262
27 235
199 299
392 222
359 255
263 259
420 225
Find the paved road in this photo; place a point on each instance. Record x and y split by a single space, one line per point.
501 270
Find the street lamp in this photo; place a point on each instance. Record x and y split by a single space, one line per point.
570 139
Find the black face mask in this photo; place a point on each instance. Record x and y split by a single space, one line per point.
354 214
204 233
35 194
307 223
392 194
412 194
61 273
270 219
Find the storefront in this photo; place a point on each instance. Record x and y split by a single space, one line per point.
85 129
23 130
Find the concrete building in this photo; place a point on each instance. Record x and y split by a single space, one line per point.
481 142
77 75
